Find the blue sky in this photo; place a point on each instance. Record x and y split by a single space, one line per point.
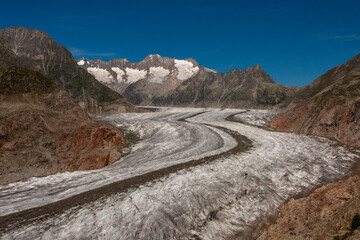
294 41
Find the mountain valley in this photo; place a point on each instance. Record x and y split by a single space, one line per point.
203 155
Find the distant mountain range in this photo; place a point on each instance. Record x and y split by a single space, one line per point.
156 80
168 81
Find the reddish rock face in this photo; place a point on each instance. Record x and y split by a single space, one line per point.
91 146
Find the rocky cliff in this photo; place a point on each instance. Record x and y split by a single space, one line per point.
330 106
167 81
44 131
41 53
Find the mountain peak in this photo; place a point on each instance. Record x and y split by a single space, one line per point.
152 57
193 61
25 30
257 67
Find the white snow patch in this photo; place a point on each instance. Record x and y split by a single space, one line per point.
119 73
135 75
102 75
186 69
158 74
210 70
154 55
81 62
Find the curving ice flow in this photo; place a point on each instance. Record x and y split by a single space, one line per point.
165 142
209 201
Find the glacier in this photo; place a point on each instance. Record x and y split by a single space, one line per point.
207 201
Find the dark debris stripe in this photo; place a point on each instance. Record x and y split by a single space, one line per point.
28 216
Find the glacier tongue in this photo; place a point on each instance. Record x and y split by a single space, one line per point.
209 201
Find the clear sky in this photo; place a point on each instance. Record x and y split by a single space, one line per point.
294 41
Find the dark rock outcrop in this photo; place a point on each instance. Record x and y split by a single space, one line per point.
8 58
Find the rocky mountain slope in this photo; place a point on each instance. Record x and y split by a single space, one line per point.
328 80
43 130
325 214
41 53
8 58
330 106
250 88
167 81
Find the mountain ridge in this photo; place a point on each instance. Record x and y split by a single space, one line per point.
329 106
41 53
